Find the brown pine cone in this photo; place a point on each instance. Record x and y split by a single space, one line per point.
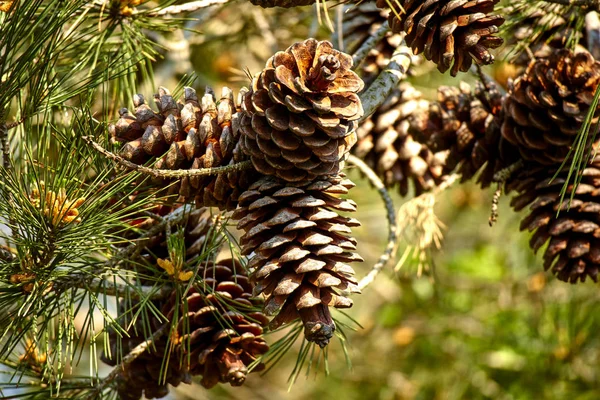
219 334
300 113
195 134
222 328
282 3
448 32
387 146
359 23
573 252
546 106
468 126
539 29
300 249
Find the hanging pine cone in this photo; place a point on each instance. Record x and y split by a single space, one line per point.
282 3
300 250
359 23
546 106
221 328
573 252
387 146
538 30
192 135
468 126
300 113
451 33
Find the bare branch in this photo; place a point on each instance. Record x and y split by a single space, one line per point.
501 177
391 217
360 54
168 173
387 80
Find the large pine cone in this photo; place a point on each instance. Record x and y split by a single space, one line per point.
300 113
539 29
573 252
467 124
219 324
448 32
360 22
546 106
195 134
300 250
387 146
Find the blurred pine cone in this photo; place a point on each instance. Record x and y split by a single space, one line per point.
468 126
195 134
573 252
387 146
547 105
448 32
300 250
539 29
219 325
300 113
359 23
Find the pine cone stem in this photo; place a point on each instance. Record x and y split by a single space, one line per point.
389 79
168 173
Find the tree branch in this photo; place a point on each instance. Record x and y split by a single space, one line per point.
391 217
387 80
360 54
168 173
5 144
124 291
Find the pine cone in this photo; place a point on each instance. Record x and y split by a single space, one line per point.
546 106
196 134
538 30
385 144
222 329
299 250
468 126
449 32
282 3
573 253
359 23
299 115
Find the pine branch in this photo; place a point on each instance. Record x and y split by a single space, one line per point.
125 291
387 80
391 218
168 173
360 54
5 145
128 359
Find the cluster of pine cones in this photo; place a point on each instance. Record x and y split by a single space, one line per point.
294 129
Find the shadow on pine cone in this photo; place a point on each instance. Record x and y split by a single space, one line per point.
299 115
218 335
451 33
299 250
198 133
547 105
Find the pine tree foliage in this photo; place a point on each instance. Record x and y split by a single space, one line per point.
100 260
